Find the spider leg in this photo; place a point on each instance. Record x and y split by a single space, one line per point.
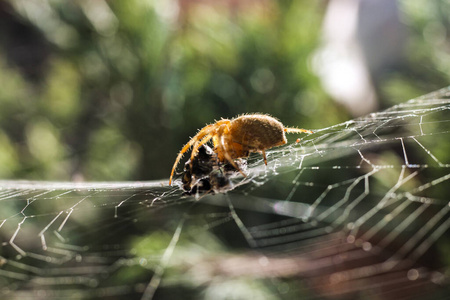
296 130
203 139
264 156
227 156
205 131
198 144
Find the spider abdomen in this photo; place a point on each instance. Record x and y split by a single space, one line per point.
257 132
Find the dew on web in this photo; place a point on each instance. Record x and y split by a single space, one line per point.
356 210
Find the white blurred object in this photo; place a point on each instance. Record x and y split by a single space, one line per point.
361 38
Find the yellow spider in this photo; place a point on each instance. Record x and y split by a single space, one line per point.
238 137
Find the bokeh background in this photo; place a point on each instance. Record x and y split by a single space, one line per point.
111 90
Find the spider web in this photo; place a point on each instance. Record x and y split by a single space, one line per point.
359 210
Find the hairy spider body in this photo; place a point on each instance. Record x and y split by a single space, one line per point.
237 137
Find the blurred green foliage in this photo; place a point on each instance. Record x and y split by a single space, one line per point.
427 64
123 84
114 89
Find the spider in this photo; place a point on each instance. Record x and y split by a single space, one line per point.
237 137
